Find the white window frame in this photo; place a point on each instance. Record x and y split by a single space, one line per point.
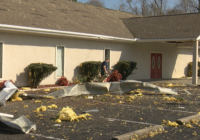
57 46
104 52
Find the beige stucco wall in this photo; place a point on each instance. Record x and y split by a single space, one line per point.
174 63
21 50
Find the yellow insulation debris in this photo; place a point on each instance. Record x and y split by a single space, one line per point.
67 114
139 94
188 125
47 89
169 123
170 99
109 95
25 106
117 97
25 88
15 96
52 106
131 97
170 85
38 101
58 121
42 108
194 133
49 97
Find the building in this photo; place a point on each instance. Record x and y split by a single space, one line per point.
65 34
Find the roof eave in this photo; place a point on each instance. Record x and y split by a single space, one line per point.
168 39
42 31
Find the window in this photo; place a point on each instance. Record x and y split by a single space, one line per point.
1 52
60 62
107 55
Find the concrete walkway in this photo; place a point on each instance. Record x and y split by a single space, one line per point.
187 81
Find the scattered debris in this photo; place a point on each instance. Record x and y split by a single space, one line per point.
187 92
170 85
6 115
46 89
37 96
169 123
22 123
7 92
56 125
38 101
25 106
90 111
170 99
67 114
42 108
181 107
90 97
194 133
25 88
188 125
52 106
15 96
111 87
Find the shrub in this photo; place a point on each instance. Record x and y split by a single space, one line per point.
38 72
125 68
115 76
80 79
63 81
2 83
190 69
91 69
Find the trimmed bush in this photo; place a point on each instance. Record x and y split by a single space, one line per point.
91 69
115 76
125 68
63 81
190 69
38 72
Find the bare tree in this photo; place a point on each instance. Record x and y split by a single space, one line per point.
159 7
144 7
98 3
187 6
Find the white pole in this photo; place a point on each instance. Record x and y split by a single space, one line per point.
6 115
195 63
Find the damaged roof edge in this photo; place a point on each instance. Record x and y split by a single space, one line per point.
33 30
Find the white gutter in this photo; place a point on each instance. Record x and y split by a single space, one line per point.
170 39
33 30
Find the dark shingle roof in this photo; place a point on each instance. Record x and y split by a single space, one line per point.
64 15
162 27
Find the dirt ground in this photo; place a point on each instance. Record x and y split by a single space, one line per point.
118 114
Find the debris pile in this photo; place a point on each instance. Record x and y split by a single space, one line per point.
52 106
42 108
15 96
67 114
170 99
169 123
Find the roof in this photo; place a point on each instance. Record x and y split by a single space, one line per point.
64 15
165 27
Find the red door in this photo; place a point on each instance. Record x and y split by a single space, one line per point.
156 65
